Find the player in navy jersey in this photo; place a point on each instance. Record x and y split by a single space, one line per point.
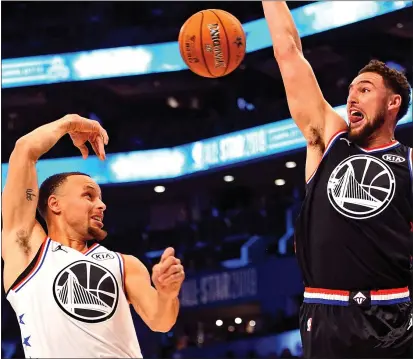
70 300
353 236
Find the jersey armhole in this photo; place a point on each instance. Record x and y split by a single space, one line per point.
330 144
31 268
122 272
410 165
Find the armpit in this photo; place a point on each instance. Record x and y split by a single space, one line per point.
315 139
23 240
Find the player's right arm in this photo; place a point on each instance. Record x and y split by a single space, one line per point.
315 118
21 192
22 235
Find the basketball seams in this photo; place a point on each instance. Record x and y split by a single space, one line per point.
202 45
242 33
214 26
226 40
181 40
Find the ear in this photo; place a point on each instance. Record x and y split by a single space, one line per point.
394 102
53 204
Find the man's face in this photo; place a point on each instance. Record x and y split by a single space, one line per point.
366 106
81 205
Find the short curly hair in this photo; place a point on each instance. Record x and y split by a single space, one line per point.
394 80
49 187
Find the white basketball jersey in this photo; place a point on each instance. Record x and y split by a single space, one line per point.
73 305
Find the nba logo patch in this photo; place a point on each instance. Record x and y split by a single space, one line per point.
309 322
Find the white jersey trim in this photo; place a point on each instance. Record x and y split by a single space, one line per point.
410 162
330 144
122 269
381 148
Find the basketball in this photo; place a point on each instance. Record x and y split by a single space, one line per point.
212 43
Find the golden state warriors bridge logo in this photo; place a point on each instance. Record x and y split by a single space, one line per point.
361 187
86 291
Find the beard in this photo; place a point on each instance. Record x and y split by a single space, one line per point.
362 136
97 233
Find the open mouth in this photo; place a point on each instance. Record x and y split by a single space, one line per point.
99 220
356 116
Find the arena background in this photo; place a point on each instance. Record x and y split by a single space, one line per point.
226 204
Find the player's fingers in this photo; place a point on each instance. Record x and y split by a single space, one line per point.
95 147
155 270
169 252
174 278
100 146
78 123
88 125
83 150
166 264
105 136
174 269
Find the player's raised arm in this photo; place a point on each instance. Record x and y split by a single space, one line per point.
21 191
310 111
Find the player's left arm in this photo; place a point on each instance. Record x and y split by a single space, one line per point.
158 307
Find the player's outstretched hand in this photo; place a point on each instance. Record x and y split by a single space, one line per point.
168 274
82 130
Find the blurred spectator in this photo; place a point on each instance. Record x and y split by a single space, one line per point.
252 354
286 353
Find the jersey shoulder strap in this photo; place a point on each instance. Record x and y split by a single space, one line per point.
105 255
341 135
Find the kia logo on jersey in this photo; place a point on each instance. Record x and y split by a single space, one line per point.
86 291
393 158
102 256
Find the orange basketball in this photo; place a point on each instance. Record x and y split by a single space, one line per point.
212 43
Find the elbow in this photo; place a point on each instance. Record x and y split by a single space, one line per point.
285 47
161 327
23 148
22 144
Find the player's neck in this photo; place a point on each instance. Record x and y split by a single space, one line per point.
378 142
381 137
67 236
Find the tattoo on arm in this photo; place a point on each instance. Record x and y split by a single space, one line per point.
30 194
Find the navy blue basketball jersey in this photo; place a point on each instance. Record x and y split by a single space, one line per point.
354 228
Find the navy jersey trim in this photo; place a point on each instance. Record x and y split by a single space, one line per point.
122 269
91 249
32 269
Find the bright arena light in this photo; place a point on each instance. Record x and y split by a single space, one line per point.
290 164
159 189
172 102
219 322
228 178
279 182
252 323
238 320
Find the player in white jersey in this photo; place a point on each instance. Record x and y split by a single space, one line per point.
70 300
